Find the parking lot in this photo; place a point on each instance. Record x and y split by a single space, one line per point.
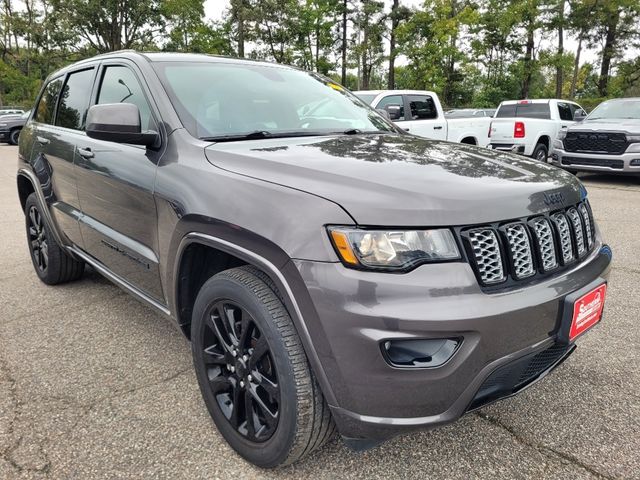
95 385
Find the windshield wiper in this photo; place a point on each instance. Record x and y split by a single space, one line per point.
357 131
260 134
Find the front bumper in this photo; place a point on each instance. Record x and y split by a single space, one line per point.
593 162
357 311
4 135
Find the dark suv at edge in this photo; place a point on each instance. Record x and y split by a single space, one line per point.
331 270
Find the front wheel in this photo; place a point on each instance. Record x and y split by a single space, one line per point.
541 152
253 372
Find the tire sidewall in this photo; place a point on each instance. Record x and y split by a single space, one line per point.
538 148
16 133
275 450
32 202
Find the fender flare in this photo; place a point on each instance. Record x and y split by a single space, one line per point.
283 284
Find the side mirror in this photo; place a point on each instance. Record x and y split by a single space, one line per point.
579 115
384 113
393 111
120 123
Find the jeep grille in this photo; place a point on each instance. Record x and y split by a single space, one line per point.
527 248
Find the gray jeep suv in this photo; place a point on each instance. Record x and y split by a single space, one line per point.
331 271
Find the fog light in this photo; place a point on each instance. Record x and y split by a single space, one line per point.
554 156
426 353
635 162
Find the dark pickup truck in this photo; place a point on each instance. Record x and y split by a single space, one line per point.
331 270
11 125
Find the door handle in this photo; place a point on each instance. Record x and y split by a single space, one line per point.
406 129
42 140
85 153
437 127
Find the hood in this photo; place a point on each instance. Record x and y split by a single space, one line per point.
403 180
626 125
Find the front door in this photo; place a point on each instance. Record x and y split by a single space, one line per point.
115 187
423 118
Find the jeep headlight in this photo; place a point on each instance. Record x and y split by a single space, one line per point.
393 249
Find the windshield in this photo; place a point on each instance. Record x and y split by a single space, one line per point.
616 109
216 99
368 98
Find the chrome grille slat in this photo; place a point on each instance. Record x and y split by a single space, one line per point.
546 243
587 223
576 223
486 251
566 246
520 247
508 253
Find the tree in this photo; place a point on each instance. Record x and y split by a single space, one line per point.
398 15
616 24
109 25
368 36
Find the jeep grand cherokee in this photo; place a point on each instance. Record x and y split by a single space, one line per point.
331 271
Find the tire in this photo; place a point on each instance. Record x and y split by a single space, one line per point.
14 136
540 153
51 263
299 420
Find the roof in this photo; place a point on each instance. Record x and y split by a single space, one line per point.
394 92
170 57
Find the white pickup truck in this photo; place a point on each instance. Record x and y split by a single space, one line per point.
420 112
530 127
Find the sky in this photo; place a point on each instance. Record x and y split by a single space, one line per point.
214 10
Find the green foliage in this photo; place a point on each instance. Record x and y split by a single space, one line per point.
471 52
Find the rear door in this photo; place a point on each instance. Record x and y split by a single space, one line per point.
64 101
424 119
115 187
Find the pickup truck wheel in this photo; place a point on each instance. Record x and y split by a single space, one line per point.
51 263
253 372
540 152
14 135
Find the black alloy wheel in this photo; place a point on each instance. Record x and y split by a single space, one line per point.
37 239
241 371
52 263
253 372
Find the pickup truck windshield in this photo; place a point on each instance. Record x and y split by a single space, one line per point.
236 100
616 109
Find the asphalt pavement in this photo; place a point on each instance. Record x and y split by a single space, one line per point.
94 384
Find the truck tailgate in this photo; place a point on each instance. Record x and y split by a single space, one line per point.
502 130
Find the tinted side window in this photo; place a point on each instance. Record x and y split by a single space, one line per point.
47 103
395 100
74 100
565 111
422 107
120 85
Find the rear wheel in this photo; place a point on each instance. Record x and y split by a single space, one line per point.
52 264
14 136
540 152
253 372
